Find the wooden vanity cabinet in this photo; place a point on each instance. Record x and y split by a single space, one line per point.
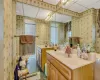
60 76
53 73
41 56
58 71
48 70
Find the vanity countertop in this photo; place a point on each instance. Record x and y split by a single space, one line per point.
43 46
98 56
73 62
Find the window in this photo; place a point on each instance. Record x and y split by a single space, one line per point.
93 34
54 35
69 33
30 29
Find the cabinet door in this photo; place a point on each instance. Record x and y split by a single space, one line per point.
48 70
39 58
60 76
53 73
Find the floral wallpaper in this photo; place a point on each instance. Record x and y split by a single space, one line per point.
8 40
82 26
20 30
20 25
43 31
61 38
97 34
14 33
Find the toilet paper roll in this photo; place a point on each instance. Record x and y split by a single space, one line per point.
92 57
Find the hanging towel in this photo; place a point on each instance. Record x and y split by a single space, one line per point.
27 44
28 49
26 39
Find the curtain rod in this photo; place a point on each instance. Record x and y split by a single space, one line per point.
26 35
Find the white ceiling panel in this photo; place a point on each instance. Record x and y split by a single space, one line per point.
86 3
77 8
75 0
42 14
30 11
95 5
19 10
54 2
61 18
68 4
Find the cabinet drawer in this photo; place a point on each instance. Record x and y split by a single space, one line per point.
64 70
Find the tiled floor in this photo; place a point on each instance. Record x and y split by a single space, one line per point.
36 77
39 76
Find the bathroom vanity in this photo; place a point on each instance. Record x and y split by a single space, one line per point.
41 55
60 67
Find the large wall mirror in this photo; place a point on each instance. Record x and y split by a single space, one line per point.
52 27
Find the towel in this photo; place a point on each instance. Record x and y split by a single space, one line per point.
27 45
28 49
26 39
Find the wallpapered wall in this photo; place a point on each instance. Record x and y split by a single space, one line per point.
61 31
8 40
20 30
60 26
97 35
82 26
20 25
43 31
14 33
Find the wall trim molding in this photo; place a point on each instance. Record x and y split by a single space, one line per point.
54 8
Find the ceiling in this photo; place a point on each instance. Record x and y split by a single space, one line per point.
78 5
31 11
74 5
61 18
54 2
39 13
